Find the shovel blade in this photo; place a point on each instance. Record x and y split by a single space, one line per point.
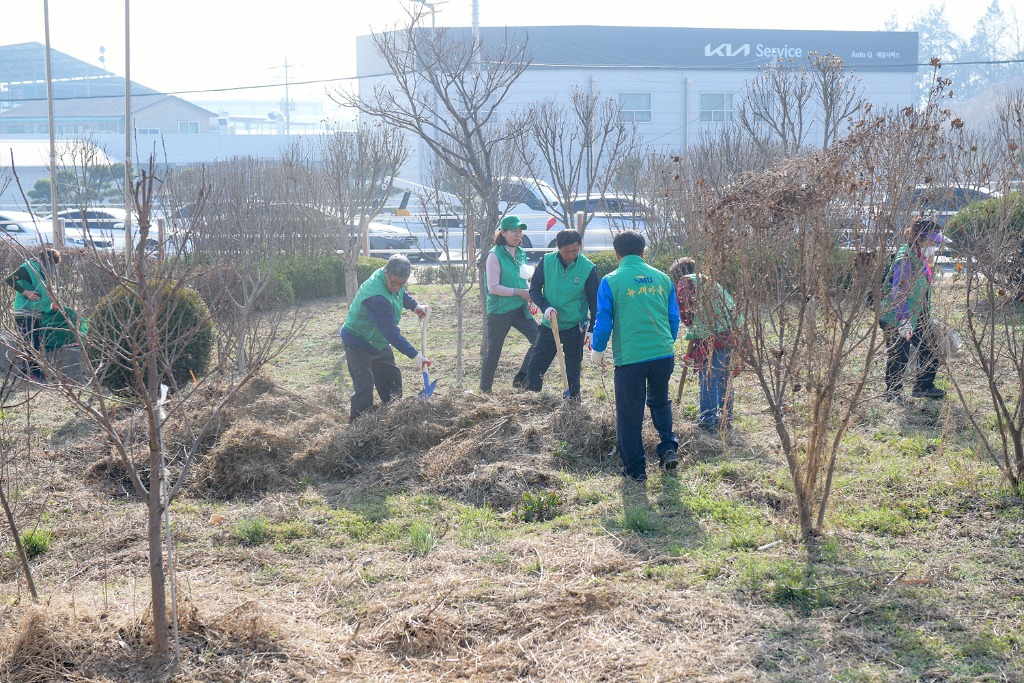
428 387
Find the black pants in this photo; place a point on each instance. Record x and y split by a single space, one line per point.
637 385
544 352
498 325
898 357
29 328
368 370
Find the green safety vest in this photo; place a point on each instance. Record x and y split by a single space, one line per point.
510 278
565 289
36 283
358 321
917 297
640 296
726 317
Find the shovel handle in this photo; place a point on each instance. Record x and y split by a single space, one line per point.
423 336
560 353
682 376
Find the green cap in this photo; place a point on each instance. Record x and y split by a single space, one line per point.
511 223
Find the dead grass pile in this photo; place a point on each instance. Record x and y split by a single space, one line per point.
268 434
588 432
485 449
52 644
49 646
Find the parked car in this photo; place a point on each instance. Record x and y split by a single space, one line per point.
940 203
25 228
100 228
386 240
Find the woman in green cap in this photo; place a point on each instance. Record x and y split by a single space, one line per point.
508 300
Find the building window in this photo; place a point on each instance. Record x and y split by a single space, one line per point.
148 131
635 106
188 127
716 107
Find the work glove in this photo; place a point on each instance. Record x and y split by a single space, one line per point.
526 271
688 359
906 330
550 313
533 308
597 358
587 338
422 362
423 311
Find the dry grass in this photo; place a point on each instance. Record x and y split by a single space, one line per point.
918 581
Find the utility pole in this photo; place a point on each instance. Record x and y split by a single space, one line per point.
128 125
287 99
58 227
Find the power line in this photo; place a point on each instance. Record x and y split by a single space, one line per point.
629 67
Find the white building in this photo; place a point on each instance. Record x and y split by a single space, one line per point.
676 83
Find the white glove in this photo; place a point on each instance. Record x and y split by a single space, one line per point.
587 338
423 310
550 313
597 358
906 330
422 362
526 271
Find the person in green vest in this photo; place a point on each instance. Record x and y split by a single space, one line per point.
637 309
32 300
565 288
371 329
709 312
508 300
906 313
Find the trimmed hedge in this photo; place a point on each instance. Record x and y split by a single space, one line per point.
117 340
322 275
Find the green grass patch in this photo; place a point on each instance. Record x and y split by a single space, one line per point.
422 537
252 530
36 541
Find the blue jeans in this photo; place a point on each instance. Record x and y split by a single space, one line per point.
635 385
715 399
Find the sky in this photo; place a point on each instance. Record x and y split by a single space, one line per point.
186 47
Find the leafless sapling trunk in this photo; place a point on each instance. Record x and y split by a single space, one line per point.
144 343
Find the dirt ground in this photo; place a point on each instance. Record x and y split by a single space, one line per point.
397 549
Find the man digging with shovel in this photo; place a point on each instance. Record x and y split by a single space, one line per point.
564 287
371 329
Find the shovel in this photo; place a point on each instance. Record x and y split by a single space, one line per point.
561 355
428 386
682 377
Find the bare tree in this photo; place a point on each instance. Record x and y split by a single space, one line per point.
577 146
989 241
811 311
348 177
143 341
784 102
447 88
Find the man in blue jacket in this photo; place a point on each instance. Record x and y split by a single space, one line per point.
371 329
637 308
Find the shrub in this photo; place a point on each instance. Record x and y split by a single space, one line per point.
367 266
313 277
604 262
36 541
438 275
117 340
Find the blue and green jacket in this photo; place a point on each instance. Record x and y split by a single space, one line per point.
637 309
